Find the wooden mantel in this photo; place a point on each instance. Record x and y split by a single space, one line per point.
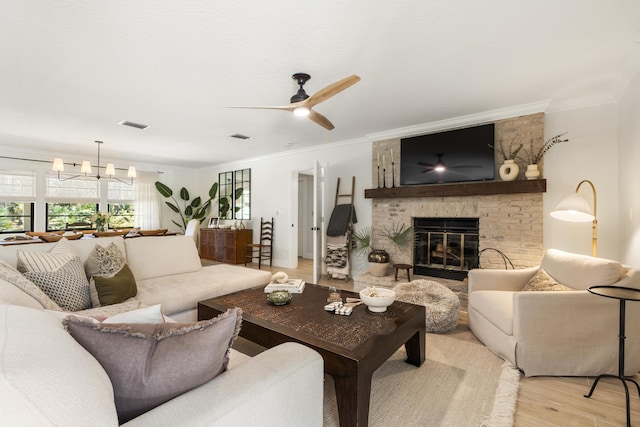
459 189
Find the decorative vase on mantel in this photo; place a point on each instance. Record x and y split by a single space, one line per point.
378 262
509 170
532 172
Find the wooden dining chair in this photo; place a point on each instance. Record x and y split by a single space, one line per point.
263 250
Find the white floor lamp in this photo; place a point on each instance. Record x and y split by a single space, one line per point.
575 208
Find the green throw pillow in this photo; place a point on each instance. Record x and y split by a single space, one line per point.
117 288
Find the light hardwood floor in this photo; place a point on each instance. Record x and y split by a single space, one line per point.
542 401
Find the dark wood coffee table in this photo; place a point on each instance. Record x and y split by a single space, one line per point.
353 347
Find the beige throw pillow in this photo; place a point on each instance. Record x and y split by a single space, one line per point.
149 364
543 282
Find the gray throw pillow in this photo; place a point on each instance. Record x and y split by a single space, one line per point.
149 364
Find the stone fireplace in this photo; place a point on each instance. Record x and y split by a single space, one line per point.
445 247
509 215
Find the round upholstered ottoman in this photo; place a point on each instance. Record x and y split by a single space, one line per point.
442 304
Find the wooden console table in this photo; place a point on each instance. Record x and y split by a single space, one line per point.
224 244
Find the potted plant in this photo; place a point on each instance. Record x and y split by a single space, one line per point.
193 209
509 170
398 235
101 219
533 158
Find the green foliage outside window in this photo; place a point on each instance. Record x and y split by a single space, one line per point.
15 217
121 215
61 214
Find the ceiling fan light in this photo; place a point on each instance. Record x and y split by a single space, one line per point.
439 168
301 111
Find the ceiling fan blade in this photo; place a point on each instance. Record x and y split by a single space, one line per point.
266 107
321 120
331 90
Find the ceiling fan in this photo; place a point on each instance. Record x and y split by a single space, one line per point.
302 104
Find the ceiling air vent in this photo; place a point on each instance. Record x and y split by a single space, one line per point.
239 136
133 124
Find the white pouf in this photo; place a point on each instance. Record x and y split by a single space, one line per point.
442 304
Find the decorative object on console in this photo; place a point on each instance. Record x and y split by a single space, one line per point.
190 210
85 169
575 208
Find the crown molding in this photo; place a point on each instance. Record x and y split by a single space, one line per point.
462 121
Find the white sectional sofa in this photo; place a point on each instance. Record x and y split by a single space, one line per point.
48 378
167 270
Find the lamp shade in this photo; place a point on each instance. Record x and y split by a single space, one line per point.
86 167
58 165
131 172
573 208
110 170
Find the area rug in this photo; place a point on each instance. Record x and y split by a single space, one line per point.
460 384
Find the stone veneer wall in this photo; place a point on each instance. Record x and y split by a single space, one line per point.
511 223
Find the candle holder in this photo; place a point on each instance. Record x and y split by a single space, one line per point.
384 177
393 175
378 177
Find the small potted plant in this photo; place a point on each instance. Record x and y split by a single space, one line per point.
398 235
533 158
509 170
101 219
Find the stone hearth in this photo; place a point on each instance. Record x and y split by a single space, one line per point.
511 223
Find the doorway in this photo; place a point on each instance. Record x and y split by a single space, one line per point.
305 216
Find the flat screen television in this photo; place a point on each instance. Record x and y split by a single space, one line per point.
452 156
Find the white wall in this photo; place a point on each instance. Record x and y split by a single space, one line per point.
591 153
274 190
629 173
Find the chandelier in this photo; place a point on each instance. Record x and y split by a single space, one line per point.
85 169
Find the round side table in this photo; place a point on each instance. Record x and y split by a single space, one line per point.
623 295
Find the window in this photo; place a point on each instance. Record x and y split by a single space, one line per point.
234 189
17 194
16 217
121 208
59 215
121 215
71 201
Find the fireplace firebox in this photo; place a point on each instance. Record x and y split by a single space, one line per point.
445 247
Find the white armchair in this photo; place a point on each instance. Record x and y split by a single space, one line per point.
567 333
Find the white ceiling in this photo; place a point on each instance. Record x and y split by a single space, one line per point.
71 70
